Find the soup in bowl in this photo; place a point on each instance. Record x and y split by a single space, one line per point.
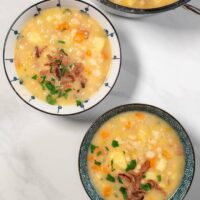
136 152
66 55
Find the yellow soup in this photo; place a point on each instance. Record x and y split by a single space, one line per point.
136 155
62 56
144 4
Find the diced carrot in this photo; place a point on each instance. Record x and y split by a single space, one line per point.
105 170
105 55
152 162
81 35
166 154
88 53
90 157
104 134
129 124
63 26
96 168
139 115
107 191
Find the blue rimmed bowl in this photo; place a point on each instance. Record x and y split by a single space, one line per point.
17 84
184 138
137 12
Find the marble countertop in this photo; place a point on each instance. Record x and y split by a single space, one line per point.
161 66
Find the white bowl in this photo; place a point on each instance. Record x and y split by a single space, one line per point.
20 89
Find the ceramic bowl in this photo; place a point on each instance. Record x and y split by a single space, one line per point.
17 84
188 148
134 12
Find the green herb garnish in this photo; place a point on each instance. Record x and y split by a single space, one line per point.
51 87
51 100
79 102
99 153
132 165
63 51
124 192
112 168
119 179
144 176
115 143
146 186
107 148
110 178
92 148
61 41
97 163
159 178
35 77
43 79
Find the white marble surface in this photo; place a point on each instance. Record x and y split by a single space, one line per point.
161 66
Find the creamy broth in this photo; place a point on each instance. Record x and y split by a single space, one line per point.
144 4
62 56
136 154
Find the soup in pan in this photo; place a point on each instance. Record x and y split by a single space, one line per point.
143 4
136 156
62 56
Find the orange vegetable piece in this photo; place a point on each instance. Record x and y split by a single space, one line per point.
152 162
90 157
107 191
105 170
167 154
129 124
139 115
104 134
105 55
88 53
63 26
81 35
96 168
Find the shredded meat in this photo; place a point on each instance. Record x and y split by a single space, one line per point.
61 68
133 181
38 51
155 186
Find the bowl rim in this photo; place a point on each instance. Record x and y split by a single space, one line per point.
58 114
139 11
132 105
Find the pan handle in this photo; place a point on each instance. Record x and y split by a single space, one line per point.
192 8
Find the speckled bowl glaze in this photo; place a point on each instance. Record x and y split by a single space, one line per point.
187 179
134 12
17 84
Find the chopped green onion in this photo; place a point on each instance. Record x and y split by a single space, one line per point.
124 192
92 148
107 148
146 186
99 153
119 179
97 163
63 51
79 102
43 79
110 178
51 87
132 165
35 77
112 168
51 100
115 143
61 41
159 178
